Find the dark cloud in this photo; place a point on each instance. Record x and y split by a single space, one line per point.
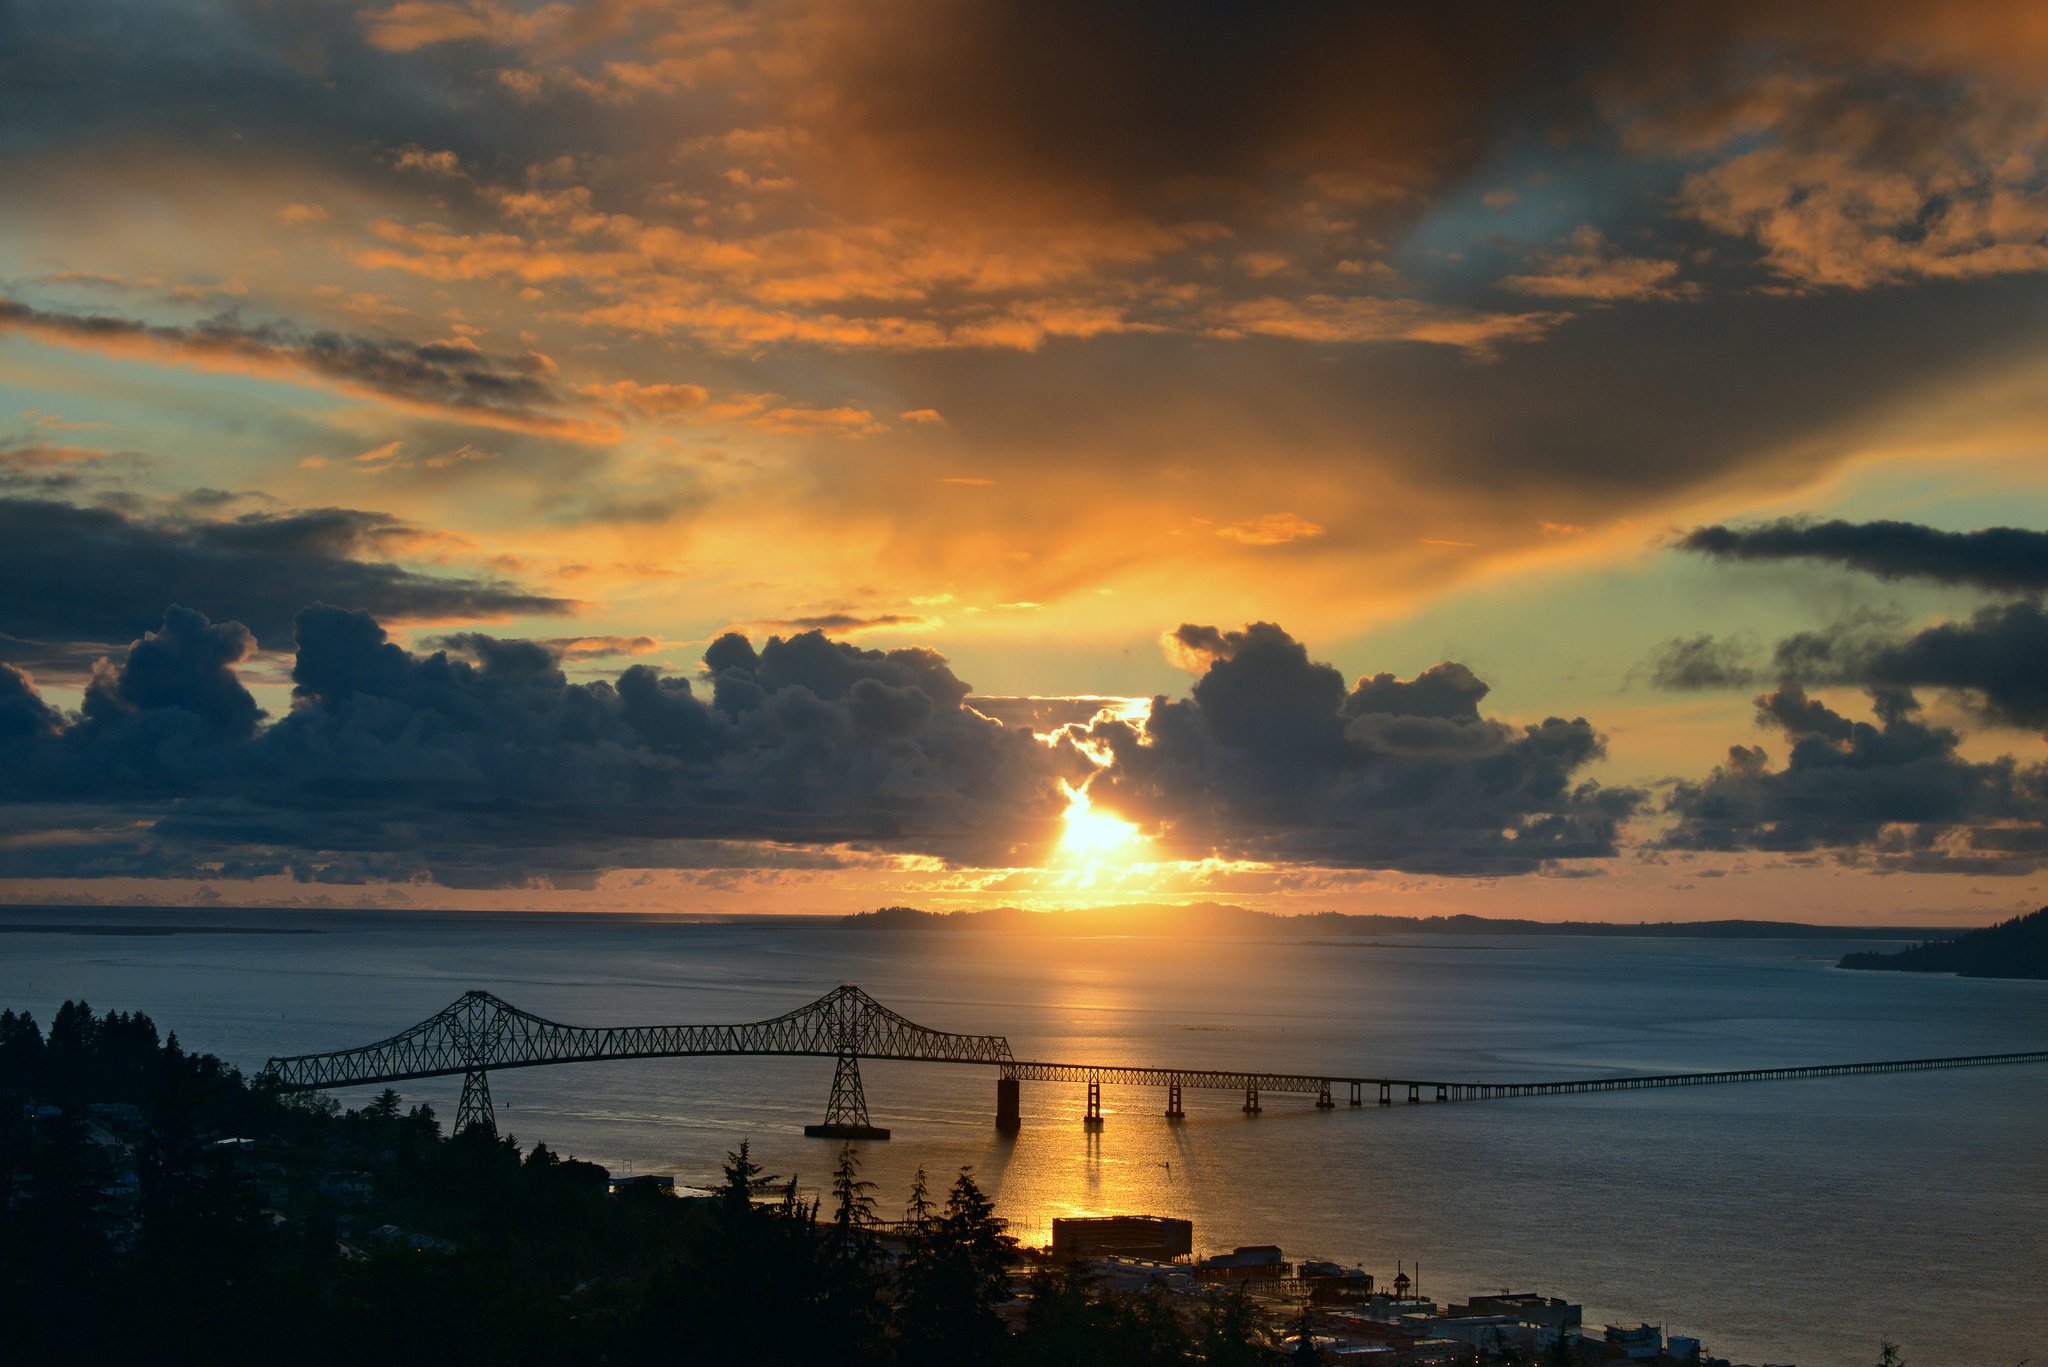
447 379
1998 657
187 664
24 717
833 622
567 648
500 770
1693 663
1163 107
1271 757
75 581
1897 794
496 769
1042 714
2003 559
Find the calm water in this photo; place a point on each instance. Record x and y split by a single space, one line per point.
1782 1222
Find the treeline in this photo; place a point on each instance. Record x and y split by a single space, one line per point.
2011 949
161 1208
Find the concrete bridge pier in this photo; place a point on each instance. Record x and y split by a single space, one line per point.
1323 1102
1009 1114
1173 1110
1251 1100
1093 1120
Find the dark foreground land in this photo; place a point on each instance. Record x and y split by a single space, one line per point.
2012 949
156 1207
159 1208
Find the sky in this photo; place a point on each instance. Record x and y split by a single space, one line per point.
1563 461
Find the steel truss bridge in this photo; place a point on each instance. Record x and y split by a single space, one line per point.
480 1033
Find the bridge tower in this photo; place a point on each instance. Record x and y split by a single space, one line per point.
476 1026
846 1111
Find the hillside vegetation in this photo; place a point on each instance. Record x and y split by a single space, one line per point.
2012 949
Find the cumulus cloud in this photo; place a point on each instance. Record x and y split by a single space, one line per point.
491 768
75 581
495 769
1272 757
1896 795
2005 559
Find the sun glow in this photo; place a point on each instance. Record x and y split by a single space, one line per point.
1094 838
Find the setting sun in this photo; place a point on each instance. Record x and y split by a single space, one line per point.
1094 837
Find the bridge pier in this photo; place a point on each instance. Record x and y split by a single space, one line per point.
1414 1094
1251 1100
1323 1102
1173 1110
1358 1093
846 1113
1386 1094
1009 1114
1093 1120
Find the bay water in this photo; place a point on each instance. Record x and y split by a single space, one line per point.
1784 1222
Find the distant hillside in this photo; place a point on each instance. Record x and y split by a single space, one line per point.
2012 949
1219 918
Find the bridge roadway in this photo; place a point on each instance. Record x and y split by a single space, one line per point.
480 1033
1253 1083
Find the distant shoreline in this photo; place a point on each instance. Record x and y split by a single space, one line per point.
155 930
1222 919
1202 920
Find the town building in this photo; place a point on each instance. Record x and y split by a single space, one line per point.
1129 1236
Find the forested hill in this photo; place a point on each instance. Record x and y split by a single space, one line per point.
2012 949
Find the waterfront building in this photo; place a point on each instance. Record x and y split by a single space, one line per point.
1643 1342
1131 1236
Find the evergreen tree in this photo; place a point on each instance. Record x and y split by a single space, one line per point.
21 1052
952 1277
1230 1333
853 1209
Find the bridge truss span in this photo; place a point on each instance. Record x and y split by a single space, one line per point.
479 1033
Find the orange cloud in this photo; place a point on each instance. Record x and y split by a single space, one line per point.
657 401
1590 267
1274 529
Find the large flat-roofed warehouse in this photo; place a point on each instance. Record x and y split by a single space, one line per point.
1129 1236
